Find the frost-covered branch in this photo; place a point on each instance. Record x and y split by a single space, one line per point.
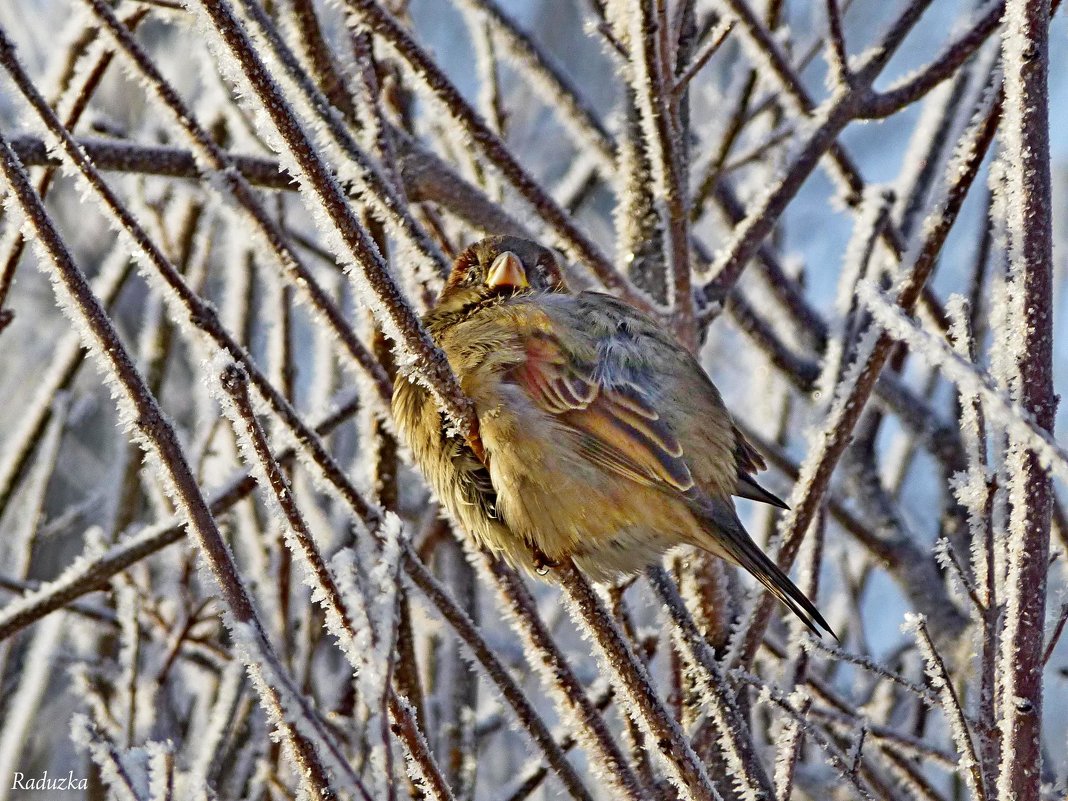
378 19
273 192
1025 151
871 355
637 693
465 629
144 413
426 176
587 724
662 144
216 161
339 222
93 571
956 53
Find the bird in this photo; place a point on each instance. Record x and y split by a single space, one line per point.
600 438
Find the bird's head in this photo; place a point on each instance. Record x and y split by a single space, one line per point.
500 266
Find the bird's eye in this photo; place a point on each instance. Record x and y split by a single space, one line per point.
549 274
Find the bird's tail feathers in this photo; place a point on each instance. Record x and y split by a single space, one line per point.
734 542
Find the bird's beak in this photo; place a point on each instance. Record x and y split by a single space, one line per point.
507 270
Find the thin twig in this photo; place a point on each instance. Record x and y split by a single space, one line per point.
636 690
160 437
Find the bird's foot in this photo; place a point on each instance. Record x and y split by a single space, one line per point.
542 563
474 442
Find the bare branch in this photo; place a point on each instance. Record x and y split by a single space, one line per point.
1025 150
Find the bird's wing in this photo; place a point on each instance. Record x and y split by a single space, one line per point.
620 401
618 426
750 461
599 393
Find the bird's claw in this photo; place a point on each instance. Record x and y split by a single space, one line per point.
542 563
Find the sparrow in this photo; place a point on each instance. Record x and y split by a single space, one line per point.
600 438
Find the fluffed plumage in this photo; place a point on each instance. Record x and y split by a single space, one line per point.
603 439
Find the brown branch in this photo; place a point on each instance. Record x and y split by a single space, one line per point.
839 58
1025 59
372 14
734 736
93 575
160 439
67 358
851 402
552 663
658 111
506 685
379 190
82 93
549 81
329 595
708 49
321 59
903 94
396 315
636 690
831 119
302 278
962 733
426 177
